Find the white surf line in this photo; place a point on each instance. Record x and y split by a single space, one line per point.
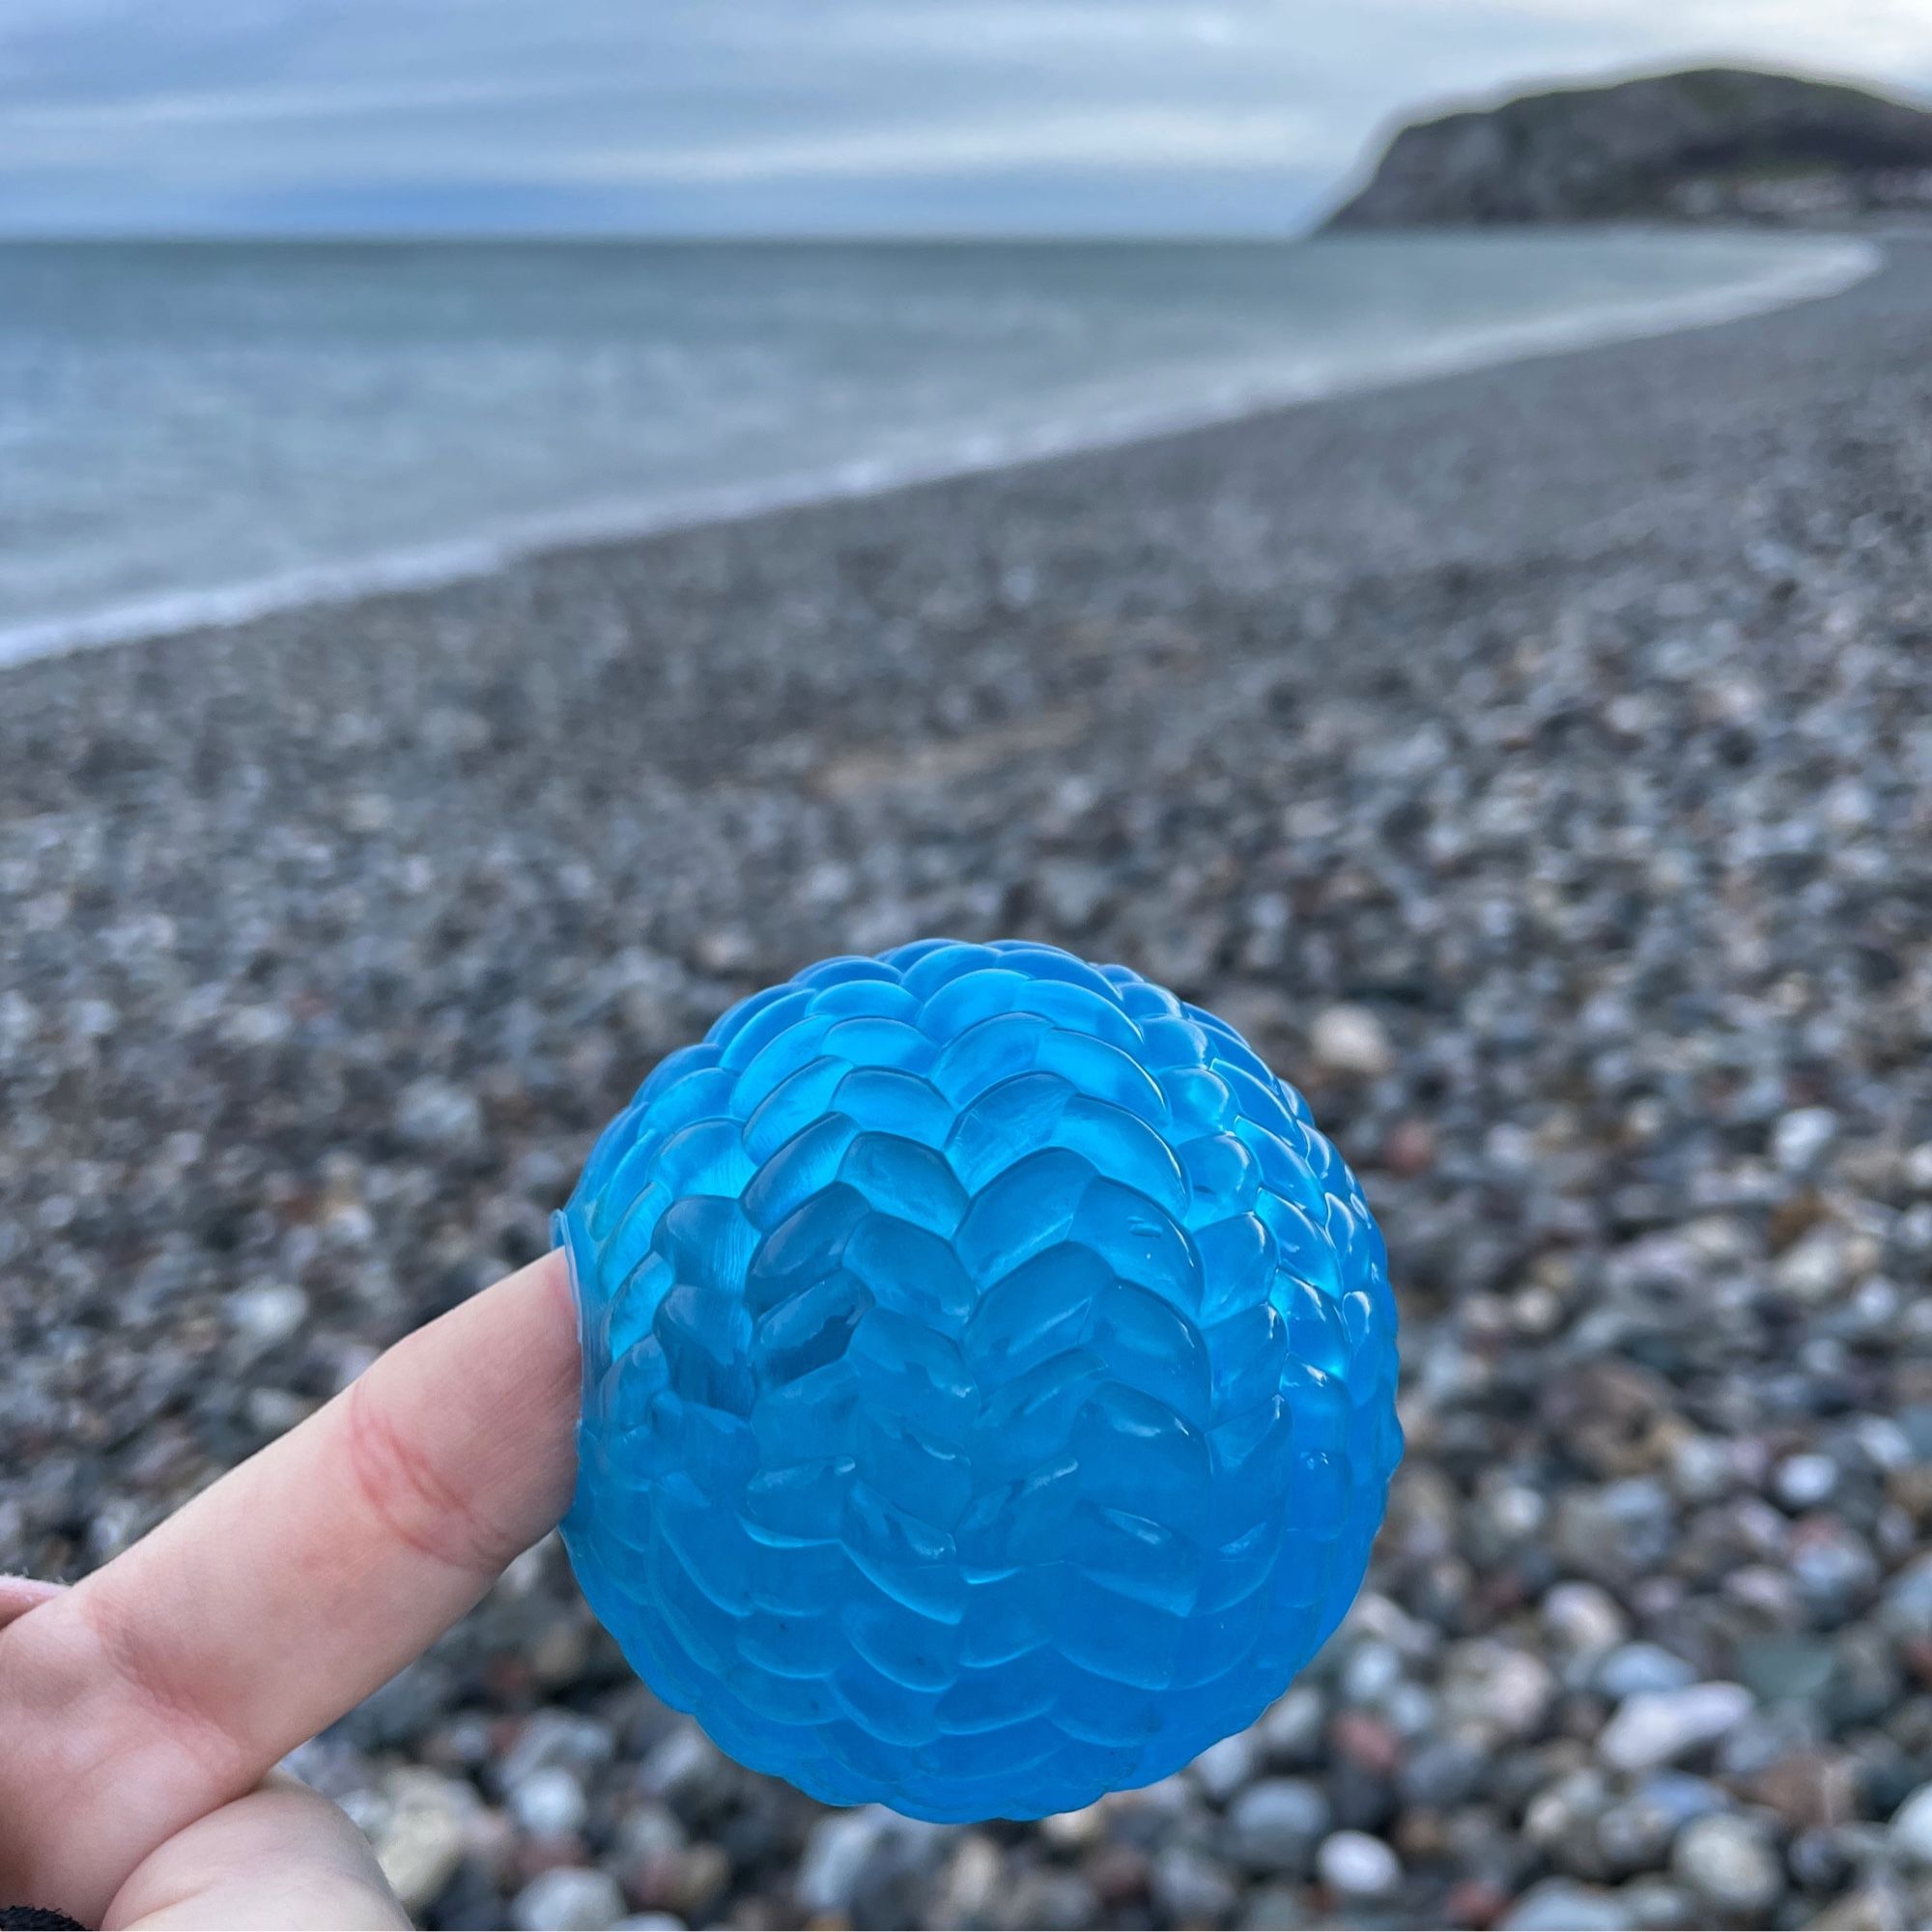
465 559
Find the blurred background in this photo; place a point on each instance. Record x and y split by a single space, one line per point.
519 527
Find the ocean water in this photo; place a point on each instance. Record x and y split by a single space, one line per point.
192 433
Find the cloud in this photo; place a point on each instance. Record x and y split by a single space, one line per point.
990 114
1111 141
269 104
1879 40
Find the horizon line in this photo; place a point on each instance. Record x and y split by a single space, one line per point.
326 237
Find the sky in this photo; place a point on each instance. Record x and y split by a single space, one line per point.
800 116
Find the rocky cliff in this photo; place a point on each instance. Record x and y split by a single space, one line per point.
1713 142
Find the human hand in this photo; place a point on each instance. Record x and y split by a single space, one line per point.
142 1711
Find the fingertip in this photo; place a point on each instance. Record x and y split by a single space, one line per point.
20 1594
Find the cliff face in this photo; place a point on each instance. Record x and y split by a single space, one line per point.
1711 142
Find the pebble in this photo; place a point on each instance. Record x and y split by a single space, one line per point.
437 1115
1222 1768
1907 1609
1616 1532
1075 1831
568 1898
1446 1772
1802 1137
1635 1668
420 1841
267 1313
1804 1482
1561 1905
968 1889
1584 1619
1190 1888
1275 1825
1658 1905
1291 1729
1494 1687
1818 1268
1560 1821
1731 1865
686 1769
846 1846
557 1737
1660 1727
549 1802
1911 1834
1059 1901
1356 1866
1636 1834
1351 1041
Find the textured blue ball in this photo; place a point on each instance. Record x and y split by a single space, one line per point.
989 1381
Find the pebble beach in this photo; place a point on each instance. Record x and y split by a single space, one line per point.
1536 763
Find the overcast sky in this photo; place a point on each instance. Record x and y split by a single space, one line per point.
797 116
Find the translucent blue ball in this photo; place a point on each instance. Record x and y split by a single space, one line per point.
989 1381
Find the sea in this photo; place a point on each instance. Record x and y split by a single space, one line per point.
194 432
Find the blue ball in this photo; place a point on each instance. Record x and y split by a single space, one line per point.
989 1382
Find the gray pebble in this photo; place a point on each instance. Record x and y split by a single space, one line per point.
1911 1834
1660 1727
1223 1768
549 1802
846 1847
1802 1136
420 1840
1356 1866
268 1313
1732 1864
1190 1888
1636 1669
1274 1826
568 1898
1561 1905
436 1114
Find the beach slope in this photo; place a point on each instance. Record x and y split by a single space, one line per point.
1534 761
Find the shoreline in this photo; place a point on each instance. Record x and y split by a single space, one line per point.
1835 265
1529 762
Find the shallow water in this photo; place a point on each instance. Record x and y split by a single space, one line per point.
191 433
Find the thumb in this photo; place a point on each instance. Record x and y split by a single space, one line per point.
283 1855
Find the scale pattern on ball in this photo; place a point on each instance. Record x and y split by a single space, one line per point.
989 1381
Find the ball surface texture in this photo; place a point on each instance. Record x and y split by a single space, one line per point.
989 1381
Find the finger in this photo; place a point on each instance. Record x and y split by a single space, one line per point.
283 1855
20 1594
168 1683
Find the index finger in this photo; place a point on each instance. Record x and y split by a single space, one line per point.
170 1681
